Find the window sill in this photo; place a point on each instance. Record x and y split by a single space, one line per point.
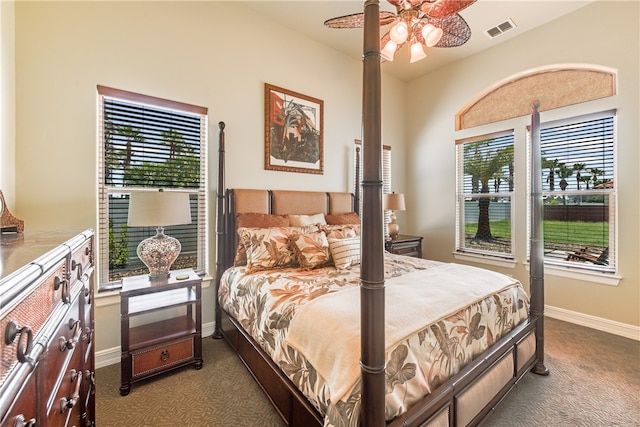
485 259
585 276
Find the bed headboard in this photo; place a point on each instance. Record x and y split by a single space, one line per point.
280 202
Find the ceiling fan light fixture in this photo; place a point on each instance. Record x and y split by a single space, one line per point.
417 52
431 34
389 50
399 32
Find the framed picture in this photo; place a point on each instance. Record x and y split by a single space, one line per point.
293 131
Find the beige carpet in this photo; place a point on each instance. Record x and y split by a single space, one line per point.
594 381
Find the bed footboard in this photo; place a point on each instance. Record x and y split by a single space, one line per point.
466 399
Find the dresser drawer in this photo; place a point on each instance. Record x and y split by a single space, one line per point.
33 312
160 357
62 346
67 403
23 408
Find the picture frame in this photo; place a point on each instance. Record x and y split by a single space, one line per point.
293 131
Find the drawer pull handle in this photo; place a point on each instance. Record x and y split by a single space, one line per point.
71 402
69 344
58 283
164 356
87 335
21 422
90 376
74 265
11 331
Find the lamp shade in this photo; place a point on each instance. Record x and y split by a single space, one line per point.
159 209
393 202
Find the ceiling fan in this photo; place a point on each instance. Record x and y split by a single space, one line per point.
421 23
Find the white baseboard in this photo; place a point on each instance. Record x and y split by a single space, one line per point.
605 325
111 356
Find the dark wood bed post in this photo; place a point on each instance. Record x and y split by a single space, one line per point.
372 293
220 231
536 268
356 189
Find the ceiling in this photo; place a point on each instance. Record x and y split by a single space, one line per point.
307 17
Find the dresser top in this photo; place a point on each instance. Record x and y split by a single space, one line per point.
19 249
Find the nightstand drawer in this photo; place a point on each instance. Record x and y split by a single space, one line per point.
408 250
405 245
158 358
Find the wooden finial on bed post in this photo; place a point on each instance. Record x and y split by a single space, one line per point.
536 268
220 231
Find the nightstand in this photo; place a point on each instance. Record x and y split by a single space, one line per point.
155 346
405 245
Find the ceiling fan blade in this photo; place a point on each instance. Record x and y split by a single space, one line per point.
455 30
356 20
443 8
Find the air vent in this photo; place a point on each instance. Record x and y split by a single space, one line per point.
494 32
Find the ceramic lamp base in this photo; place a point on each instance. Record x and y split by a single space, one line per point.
158 253
393 227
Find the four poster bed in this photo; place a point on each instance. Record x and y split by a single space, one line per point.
338 332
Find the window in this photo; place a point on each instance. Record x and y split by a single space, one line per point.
485 182
386 177
144 144
578 189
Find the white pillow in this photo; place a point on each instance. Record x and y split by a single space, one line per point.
345 252
302 220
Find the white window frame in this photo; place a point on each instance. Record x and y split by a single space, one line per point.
200 193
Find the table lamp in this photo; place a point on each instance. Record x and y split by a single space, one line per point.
159 209
393 202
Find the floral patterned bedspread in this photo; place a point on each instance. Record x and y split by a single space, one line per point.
265 303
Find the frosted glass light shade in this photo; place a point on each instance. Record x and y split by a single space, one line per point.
389 50
399 32
431 35
417 52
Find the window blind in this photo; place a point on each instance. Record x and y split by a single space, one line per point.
578 183
485 185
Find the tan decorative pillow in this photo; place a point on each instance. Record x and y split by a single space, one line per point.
301 220
311 249
341 231
340 219
255 220
267 248
345 252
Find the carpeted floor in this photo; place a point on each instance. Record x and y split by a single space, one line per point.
594 381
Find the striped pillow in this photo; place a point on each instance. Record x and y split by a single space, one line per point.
345 252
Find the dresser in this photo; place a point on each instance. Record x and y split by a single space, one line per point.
47 329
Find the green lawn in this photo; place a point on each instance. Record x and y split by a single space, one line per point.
574 232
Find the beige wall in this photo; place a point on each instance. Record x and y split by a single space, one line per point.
179 51
7 102
431 135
